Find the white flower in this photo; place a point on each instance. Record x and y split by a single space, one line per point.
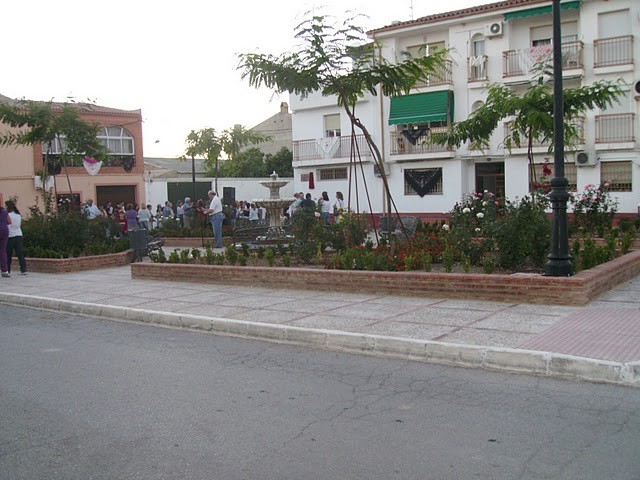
466 210
479 215
486 191
477 230
445 227
484 204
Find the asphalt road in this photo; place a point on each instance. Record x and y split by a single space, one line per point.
91 399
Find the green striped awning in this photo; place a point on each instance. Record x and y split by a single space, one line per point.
530 12
422 108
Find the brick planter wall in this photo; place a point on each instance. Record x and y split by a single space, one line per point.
520 288
66 265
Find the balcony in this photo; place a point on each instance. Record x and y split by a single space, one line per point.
613 51
109 161
441 76
542 143
329 148
616 128
401 144
477 69
523 61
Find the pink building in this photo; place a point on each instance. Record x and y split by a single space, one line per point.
121 133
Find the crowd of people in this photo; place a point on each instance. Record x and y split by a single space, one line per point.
324 207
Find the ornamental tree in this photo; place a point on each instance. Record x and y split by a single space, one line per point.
530 115
337 59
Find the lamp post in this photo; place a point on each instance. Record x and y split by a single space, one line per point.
559 260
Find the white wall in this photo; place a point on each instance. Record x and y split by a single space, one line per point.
247 189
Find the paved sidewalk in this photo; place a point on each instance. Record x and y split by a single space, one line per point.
600 341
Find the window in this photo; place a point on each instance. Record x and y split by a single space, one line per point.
476 105
617 174
117 140
304 177
570 173
66 201
333 173
614 24
332 125
432 188
490 177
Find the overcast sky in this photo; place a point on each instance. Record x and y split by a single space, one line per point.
174 60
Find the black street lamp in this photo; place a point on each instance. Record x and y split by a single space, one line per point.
559 261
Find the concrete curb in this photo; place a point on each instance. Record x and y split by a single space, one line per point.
490 358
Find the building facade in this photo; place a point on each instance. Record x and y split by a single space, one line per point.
278 127
495 43
120 179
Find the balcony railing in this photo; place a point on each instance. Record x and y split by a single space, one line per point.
523 61
442 75
477 68
616 128
537 142
109 161
613 51
401 145
328 148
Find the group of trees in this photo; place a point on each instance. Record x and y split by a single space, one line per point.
252 162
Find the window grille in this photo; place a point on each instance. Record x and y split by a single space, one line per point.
570 173
333 173
437 188
618 175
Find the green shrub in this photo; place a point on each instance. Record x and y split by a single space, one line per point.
242 260
70 234
270 256
626 242
174 257
209 256
231 254
195 253
489 263
448 258
184 256
286 260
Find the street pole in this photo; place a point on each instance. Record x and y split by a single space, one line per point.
559 260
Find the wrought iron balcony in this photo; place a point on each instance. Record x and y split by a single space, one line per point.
523 61
330 148
613 51
477 69
441 76
616 128
404 143
538 142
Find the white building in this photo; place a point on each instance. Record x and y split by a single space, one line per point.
498 42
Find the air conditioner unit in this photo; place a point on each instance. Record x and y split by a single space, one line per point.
37 180
493 29
376 170
586 159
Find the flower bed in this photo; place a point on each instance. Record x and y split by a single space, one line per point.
521 288
78 264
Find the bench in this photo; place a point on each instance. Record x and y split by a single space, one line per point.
402 228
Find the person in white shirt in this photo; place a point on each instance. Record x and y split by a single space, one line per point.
92 210
253 212
15 241
144 215
215 216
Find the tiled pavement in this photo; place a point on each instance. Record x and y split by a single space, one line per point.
607 329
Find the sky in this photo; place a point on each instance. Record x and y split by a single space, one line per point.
174 60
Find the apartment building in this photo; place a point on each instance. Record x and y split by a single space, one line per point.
120 178
494 43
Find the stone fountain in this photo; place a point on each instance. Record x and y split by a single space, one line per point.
274 204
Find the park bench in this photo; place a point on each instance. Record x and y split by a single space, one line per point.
402 228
